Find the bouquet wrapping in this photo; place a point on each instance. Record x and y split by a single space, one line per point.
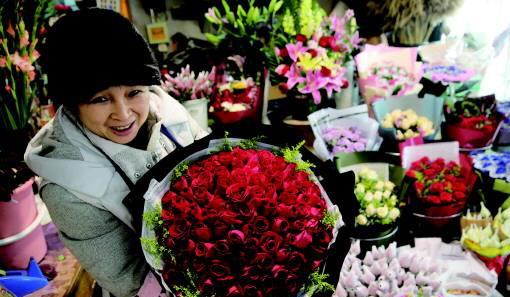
345 130
473 122
388 71
236 219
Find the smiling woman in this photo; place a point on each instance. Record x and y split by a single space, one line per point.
117 113
114 125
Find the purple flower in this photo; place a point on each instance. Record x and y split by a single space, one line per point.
295 49
293 76
314 83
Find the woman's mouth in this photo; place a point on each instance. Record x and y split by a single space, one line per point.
122 130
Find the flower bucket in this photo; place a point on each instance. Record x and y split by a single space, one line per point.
374 236
21 235
227 117
197 108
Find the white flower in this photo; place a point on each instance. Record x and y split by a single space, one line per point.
370 210
379 185
361 220
382 212
387 194
371 175
378 196
360 188
389 185
394 213
369 196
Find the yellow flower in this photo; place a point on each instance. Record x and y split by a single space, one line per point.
361 220
307 63
382 212
239 85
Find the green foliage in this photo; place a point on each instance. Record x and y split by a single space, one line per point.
180 170
191 290
251 143
292 155
153 217
19 29
317 283
2 272
227 144
330 218
152 247
242 22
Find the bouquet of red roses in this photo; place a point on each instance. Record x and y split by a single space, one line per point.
441 188
243 221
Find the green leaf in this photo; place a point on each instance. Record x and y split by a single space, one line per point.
61 258
153 217
317 283
241 13
292 155
277 6
231 18
330 218
2 272
215 39
180 169
240 25
225 6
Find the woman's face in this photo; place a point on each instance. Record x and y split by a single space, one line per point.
116 113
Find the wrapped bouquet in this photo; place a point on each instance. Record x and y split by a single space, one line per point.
343 131
388 71
239 219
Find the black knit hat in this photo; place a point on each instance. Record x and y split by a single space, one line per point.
90 50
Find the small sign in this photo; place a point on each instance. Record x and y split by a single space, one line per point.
157 33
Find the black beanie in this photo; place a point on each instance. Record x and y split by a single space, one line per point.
93 49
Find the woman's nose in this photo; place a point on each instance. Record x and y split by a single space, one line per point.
121 109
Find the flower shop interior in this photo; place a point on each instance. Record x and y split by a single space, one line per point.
353 148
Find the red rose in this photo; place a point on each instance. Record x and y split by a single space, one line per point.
279 272
202 232
312 52
169 197
202 195
221 248
204 179
270 242
203 249
198 265
230 217
263 260
280 225
235 237
295 261
252 291
436 187
419 186
234 291
325 41
301 38
219 269
179 229
302 240
237 192
283 52
220 228
459 195
325 71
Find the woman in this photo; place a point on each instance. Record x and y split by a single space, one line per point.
113 126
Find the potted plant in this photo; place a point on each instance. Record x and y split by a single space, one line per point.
193 91
19 31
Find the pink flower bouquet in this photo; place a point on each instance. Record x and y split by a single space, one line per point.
388 71
310 66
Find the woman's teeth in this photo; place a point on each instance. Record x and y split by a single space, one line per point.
121 128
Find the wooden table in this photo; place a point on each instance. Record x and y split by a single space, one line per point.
70 279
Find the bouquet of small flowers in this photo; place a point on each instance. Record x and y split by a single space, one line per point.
186 85
407 124
315 64
235 97
378 203
408 117
340 140
238 219
388 71
343 131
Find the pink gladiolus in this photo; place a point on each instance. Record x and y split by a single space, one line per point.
10 30
24 39
3 61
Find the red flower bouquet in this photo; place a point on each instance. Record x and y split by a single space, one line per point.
473 122
242 222
440 189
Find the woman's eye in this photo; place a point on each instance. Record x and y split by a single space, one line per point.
99 99
134 93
